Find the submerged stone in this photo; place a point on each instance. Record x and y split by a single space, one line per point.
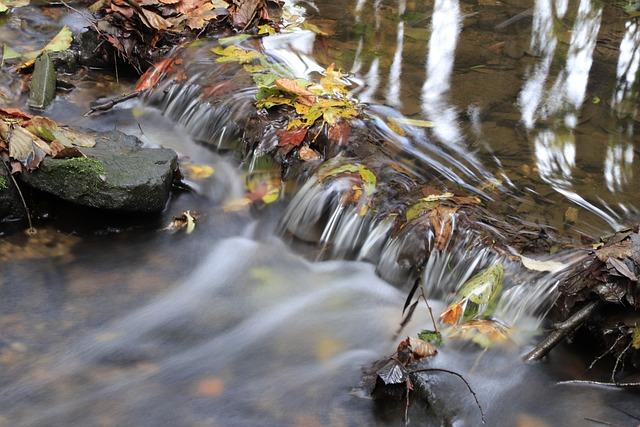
117 173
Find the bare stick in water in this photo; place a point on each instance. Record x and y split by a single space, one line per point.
111 102
561 331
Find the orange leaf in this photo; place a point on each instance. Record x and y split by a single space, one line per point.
210 386
309 154
452 314
152 76
292 86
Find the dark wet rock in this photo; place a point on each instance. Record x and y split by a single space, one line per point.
10 205
118 173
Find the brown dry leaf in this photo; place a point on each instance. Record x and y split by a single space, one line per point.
186 6
245 12
485 333
452 314
422 349
441 218
210 387
59 151
293 137
153 20
309 154
292 86
125 11
199 17
27 148
339 133
571 215
622 268
169 1
186 221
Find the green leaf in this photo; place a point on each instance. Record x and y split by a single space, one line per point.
369 180
635 339
61 42
417 209
3 8
433 337
9 53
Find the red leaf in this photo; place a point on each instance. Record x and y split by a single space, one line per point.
152 76
291 137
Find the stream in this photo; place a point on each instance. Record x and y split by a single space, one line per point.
268 316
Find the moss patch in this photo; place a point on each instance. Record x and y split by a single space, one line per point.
83 165
3 183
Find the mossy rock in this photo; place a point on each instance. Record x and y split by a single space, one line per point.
118 174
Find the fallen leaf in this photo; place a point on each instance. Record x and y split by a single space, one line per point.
210 387
26 148
292 137
635 338
60 42
152 76
622 268
293 87
571 215
422 349
441 218
392 373
452 314
537 265
433 337
186 221
412 122
485 333
198 172
153 20
309 154
245 12
339 133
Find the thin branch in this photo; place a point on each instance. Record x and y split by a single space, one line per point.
599 383
30 230
446 371
111 102
620 356
561 331
433 320
92 22
606 352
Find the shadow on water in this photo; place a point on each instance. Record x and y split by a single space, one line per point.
233 326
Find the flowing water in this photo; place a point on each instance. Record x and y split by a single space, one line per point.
267 316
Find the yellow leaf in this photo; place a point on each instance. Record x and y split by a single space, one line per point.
235 54
412 122
195 171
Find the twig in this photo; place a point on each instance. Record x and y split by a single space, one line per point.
606 352
620 356
600 383
593 420
91 21
31 230
446 371
111 102
433 320
561 331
